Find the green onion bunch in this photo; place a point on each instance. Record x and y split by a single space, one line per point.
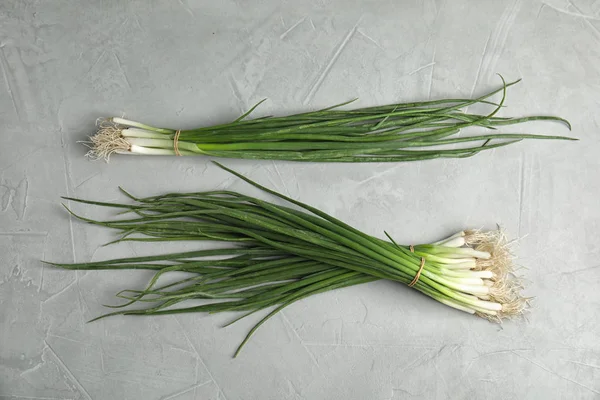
392 133
281 254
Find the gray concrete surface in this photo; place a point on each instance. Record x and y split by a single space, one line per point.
185 63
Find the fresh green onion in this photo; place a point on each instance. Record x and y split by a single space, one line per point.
392 133
280 254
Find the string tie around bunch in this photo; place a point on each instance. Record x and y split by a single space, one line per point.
418 274
176 142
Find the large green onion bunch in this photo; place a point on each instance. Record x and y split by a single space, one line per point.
392 133
279 255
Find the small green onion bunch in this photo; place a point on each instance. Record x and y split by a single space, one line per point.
392 133
281 254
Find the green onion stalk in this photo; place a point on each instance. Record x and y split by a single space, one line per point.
392 133
278 255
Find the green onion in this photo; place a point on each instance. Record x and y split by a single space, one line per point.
281 254
392 133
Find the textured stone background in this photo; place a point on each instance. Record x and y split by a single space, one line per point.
186 63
